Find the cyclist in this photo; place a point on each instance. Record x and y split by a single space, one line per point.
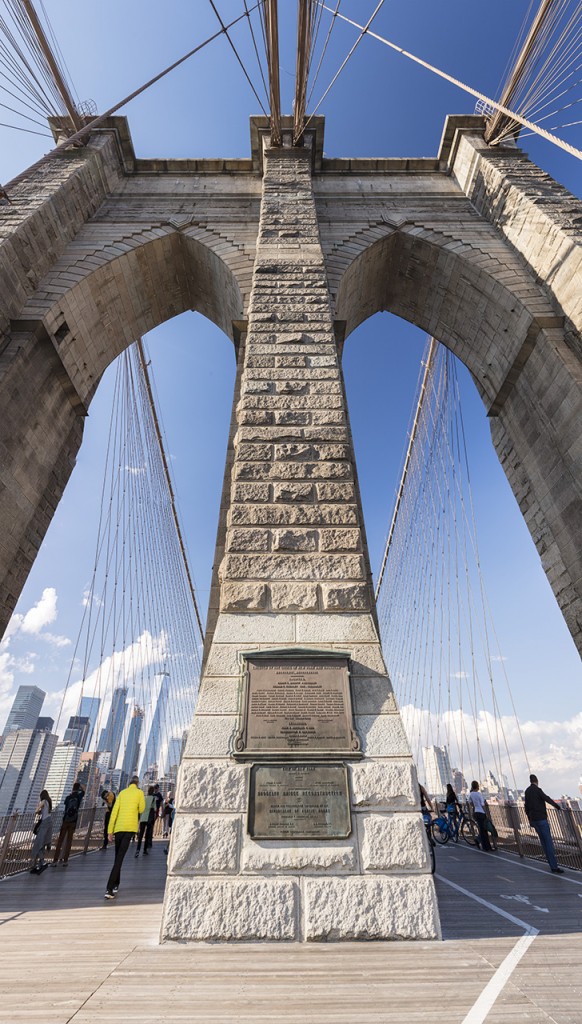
425 800
452 805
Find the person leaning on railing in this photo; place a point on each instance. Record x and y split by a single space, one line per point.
535 801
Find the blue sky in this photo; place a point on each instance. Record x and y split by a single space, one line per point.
381 105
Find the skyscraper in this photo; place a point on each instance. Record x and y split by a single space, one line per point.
437 767
89 708
153 754
25 708
77 731
112 734
63 771
24 763
131 756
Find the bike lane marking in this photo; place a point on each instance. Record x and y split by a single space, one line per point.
480 1009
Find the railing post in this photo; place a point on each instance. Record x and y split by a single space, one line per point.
514 820
89 829
574 830
7 837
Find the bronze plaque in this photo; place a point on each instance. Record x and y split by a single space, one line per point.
297 705
299 801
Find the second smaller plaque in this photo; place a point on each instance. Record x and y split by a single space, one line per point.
299 801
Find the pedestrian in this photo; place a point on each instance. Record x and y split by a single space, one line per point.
123 824
146 823
68 825
535 808
480 815
43 831
108 798
425 800
452 804
168 815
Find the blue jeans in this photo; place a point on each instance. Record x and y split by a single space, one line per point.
543 830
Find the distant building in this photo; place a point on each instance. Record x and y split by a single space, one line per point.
25 708
112 734
175 747
437 770
153 748
25 759
77 731
132 747
63 771
91 777
89 708
45 724
459 781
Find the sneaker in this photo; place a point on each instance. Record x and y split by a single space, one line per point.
557 871
137 854
145 853
42 868
109 895
65 863
34 871
115 890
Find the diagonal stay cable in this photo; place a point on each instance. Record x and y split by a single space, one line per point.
236 53
95 122
461 85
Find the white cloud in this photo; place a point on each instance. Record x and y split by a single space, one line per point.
498 657
553 748
459 675
41 614
55 640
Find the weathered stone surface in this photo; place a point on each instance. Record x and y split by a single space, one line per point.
337 629
229 910
204 844
367 660
292 514
212 785
295 540
294 597
217 696
210 736
223 660
293 492
291 567
386 785
248 540
335 492
251 492
255 628
292 470
373 695
393 842
337 857
346 597
371 908
235 597
382 735
340 540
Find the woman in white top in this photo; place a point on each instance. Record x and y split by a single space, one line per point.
44 833
479 814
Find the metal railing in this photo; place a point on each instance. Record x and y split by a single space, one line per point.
16 837
515 834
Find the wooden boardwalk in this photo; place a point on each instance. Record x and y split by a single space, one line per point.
68 956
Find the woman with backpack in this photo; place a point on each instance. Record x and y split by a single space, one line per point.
43 831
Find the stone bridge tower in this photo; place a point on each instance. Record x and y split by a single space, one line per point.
288 252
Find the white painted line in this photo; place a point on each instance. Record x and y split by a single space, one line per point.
480 1009
514 858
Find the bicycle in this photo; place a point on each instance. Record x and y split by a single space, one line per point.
447 827
427 818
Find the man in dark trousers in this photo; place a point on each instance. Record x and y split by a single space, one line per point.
123 825
535 808
69 824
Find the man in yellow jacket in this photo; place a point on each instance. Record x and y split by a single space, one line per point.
123 824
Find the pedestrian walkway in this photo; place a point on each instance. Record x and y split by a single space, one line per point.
512 953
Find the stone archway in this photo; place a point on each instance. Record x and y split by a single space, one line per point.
494 315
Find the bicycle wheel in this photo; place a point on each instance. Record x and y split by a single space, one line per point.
469 832
440 835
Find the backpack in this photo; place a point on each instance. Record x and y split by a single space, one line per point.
71 809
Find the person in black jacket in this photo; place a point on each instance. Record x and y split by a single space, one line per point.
69 824
535 809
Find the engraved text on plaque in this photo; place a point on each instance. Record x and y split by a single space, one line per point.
297 705
299 801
